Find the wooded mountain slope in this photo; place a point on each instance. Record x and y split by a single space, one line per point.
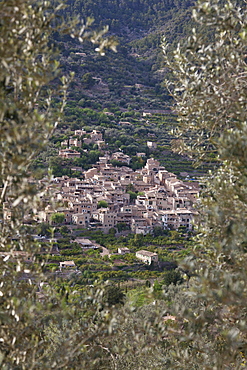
133 14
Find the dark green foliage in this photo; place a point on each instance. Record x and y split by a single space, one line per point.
172 277
159 231
135 13
121 226
113 296
87 81
64 230
44 229
133 195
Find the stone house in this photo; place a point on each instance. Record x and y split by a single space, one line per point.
67 264
123 250
75 142
83 205
65 143
152 165
175 218
139 223
45 215
89 174
87 140
96 136
85 243
81 219
121 157
105 217
170 219
151 145
80 132
69 153
142 155
147 257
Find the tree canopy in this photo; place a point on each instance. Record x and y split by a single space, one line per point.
58 217
30 76
210 91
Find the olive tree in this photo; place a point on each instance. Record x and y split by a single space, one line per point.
29 77
210 90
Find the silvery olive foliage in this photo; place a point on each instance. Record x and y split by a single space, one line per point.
210 89
210 76
29 79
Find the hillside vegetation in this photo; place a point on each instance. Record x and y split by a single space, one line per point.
136 15
125 83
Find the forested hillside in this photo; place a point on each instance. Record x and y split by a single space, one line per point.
125 83
136 15
139 27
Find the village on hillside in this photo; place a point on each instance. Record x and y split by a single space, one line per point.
108 197
102 199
